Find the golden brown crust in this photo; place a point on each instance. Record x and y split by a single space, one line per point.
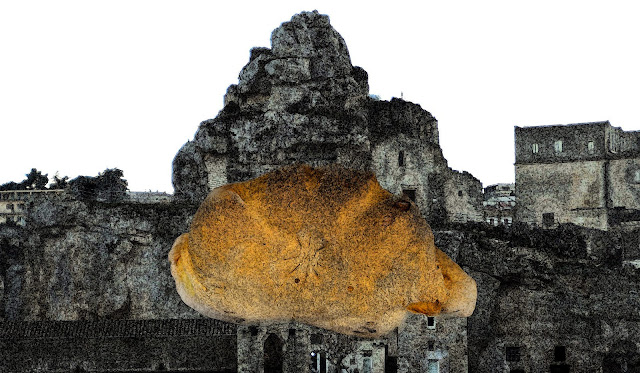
326 246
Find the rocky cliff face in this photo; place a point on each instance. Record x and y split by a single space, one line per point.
570 287
88 260
538 290
300 101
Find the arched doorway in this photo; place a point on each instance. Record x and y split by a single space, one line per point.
273 354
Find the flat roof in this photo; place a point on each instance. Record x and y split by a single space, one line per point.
599 123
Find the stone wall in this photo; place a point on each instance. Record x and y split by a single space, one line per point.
624 176
575 143
444 344
572 192
86 272
538 290
463 198
87 260
118 345
404 165
587 174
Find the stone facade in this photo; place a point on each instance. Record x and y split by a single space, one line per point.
463 198
587 174
13 204
499 204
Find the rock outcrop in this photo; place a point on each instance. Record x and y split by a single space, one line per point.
538 290
78 260
301 101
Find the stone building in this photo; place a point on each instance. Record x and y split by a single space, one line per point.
13 204
587 174
499 204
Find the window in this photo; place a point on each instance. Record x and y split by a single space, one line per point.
548 219
591 146
557 146
431 322
560 353
367 367
433 366
401 158
253 330
431 346
636 176
318 362
459 193
410 193
10 206
534 148
513 353
273 354
613 142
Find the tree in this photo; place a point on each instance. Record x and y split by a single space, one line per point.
12 185
108 186
111 186
84 187
59 183
35 180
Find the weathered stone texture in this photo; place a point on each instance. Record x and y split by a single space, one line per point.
117 345
301 101
86 260
546 294
463 198
587 174
444 343
574 194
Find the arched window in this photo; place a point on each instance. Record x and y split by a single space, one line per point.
273 354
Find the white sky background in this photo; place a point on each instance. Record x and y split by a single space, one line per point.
88 85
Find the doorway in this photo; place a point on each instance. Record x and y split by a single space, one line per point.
273 354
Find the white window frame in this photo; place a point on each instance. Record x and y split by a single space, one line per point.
535 148
433 327
591 146
557 146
